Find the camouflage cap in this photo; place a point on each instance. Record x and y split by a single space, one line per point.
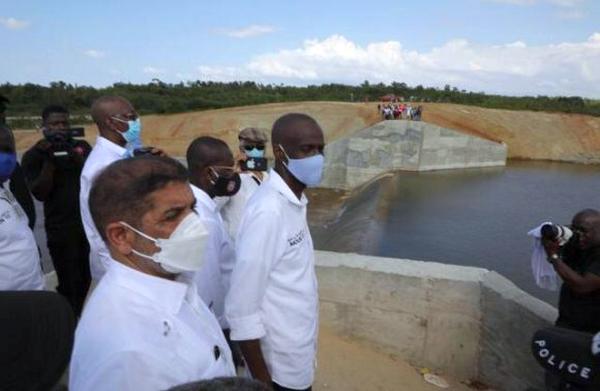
252 135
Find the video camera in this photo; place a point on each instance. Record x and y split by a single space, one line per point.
556 232
61 140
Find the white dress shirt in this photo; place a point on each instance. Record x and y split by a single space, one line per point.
273 295
140 332
233 207
19 258
219 256
104 153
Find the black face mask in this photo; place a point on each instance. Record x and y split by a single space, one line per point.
226 186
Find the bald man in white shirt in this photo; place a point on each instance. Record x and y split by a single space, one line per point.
212 174
272 305
144 326
119 129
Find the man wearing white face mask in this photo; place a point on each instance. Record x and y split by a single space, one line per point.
144 326
272 305
120 130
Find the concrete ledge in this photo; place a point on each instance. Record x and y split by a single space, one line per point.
464 321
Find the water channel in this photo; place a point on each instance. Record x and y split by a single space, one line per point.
473 217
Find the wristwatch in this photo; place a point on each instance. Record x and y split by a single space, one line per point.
553 258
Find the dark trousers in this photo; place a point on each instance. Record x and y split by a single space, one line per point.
277 387
70 252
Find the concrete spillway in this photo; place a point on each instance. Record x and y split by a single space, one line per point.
404 146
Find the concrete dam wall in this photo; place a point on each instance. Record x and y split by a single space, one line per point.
404 145
468 322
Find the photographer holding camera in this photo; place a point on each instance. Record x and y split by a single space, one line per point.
577 262
253 172
53 169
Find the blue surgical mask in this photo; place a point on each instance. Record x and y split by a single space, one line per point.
134 131
8 162
308 170
255 153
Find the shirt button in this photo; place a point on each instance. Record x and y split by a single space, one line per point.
167 328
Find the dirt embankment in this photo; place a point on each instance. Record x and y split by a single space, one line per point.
174 132
529 135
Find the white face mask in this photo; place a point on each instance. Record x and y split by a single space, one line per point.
308 170
183 250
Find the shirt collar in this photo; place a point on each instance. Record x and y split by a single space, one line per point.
203 198
110 147
277 183
166 294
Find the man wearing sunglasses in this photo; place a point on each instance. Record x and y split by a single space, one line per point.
252 164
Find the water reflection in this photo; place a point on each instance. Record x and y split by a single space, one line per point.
475 217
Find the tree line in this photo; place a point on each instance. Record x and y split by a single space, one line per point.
27 100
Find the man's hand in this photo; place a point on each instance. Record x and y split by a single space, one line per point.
256 363
158 152
551 247
45 147
238 159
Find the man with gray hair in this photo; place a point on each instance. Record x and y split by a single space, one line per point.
144 326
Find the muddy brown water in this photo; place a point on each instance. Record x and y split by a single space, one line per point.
472 217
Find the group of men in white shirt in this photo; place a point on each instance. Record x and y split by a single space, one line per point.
171 279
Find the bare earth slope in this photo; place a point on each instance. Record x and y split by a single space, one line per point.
529 135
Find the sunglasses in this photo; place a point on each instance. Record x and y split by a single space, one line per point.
251 147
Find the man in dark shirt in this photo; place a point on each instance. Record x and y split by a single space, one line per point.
578 264
52 168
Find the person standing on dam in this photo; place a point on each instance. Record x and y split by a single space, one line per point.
119 128
578 265
272 305
212 174
19 257
252 144
52 168
17 182
145 327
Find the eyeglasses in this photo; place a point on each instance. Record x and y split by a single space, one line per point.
249 147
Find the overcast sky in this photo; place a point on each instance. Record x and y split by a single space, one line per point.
545 47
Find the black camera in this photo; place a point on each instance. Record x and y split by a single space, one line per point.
62 140
556 232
